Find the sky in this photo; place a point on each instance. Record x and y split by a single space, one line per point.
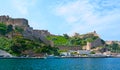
68 16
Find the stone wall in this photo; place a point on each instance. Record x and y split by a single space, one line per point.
69 47
21 22
37 35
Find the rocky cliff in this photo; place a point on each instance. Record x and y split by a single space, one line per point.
4 54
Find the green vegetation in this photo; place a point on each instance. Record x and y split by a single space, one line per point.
12 41
65 40
114 48
91 39
20 44
17 44
3 29
9 28
92 52
48 50
18 29
58 40
5 43
63 51
78 41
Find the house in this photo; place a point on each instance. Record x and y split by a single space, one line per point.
82 52
65 54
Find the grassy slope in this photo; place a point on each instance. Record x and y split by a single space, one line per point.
71 41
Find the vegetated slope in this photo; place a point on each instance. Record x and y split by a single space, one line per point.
66 40
18 38
13 41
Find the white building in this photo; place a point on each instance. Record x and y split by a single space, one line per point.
83 52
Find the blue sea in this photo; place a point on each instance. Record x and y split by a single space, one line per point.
60 64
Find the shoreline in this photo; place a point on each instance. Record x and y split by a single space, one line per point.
55 58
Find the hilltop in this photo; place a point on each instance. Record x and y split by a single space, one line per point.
19 39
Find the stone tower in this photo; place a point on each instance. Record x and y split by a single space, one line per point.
88 46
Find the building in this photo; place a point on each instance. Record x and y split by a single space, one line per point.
81 52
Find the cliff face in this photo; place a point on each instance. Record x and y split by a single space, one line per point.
97 43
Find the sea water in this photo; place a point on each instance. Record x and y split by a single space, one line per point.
60 64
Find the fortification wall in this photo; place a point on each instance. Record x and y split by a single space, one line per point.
69 47
21 22
41 34
28 31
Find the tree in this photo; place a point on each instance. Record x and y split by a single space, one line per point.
115 47
66 36
92 52
19 29
3 28
5 43
48 50
9 28
89 39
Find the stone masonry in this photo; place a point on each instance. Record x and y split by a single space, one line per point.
21 22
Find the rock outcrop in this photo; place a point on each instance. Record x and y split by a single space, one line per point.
98 42
4 54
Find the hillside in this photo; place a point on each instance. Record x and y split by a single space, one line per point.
77 40
19 39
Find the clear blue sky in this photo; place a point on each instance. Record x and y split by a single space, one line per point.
68 16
